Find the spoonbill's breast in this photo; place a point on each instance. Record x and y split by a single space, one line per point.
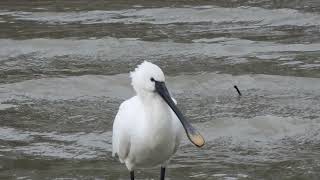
145 135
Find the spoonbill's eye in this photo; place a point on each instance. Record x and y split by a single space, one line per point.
152 79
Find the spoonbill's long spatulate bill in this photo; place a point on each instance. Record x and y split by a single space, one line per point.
193 135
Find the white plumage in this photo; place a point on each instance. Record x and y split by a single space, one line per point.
146 132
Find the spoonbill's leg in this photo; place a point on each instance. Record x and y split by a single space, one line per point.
163 172
132 175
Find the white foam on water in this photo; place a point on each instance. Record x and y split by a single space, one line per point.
310 66
11 134
230 178
292 63
167 15
198 175
7 106
88 86
58 151
242 175
212 83
108 48
118 86
79 145
23 177
40 8
216 40
5 12
90 140
261 130
219 175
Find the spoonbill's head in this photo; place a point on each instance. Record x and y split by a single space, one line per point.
149 78
145 76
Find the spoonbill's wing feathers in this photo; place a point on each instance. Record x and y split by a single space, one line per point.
120 134
125 123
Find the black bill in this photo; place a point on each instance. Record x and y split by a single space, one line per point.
193 135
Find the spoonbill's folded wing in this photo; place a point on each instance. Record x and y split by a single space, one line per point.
120 134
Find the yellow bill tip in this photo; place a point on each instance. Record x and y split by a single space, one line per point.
197 140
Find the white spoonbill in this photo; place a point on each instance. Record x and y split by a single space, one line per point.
147 128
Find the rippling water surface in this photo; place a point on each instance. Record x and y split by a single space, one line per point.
64 71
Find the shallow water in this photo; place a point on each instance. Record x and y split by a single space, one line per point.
64 71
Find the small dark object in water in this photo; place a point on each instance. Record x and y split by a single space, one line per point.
237 90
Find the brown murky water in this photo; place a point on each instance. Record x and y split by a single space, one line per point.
63 74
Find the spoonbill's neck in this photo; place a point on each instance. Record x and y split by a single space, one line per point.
154 105
149 98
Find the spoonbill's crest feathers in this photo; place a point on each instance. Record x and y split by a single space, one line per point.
142 75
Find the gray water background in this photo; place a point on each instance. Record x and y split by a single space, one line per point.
64 71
